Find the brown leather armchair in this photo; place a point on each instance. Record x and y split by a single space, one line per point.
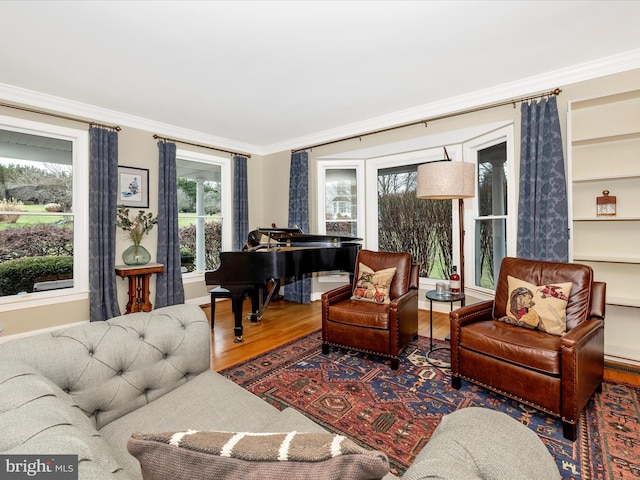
381 329
555 374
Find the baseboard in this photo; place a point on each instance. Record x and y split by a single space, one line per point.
622 367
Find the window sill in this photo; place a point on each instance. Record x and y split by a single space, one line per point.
32 300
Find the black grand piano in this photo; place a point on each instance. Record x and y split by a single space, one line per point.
272 254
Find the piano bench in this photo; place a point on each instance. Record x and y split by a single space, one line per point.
221 292
218 292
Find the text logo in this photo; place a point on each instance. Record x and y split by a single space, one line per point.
39 467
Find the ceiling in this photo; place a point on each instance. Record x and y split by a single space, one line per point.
266 76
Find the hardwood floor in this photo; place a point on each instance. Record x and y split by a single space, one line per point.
285 321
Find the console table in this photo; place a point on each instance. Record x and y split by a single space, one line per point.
139 277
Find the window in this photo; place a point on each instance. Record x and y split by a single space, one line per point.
43 212
399 221
340 211
204 201
493 203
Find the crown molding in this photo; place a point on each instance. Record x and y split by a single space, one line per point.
558 78
90 113
500 93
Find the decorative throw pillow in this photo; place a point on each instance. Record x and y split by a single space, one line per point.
193 455
373 286
538 307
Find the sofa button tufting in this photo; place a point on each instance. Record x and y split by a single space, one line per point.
141 337
91 353
119 372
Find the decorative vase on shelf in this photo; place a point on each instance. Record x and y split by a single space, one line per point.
136 254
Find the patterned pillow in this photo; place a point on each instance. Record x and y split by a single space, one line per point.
538 307
373 286
288 456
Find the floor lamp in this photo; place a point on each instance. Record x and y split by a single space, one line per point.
448 180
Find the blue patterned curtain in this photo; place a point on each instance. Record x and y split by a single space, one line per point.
542 205
299 291
169 289
240 202
103 194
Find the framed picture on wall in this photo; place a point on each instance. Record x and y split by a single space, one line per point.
133 187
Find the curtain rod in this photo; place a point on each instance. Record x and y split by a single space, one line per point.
158 137
441 117
57 115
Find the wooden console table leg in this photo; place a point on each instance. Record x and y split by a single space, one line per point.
139 292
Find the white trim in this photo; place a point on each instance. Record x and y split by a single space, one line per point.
471 148
358 165
32 98
199 300
226 208
576 73
499 93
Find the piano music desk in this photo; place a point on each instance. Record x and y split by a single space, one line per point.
139 277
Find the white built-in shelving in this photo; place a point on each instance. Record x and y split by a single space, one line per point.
604 154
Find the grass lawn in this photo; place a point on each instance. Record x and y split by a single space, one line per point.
25 220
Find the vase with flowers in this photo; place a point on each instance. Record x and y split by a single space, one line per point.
142 224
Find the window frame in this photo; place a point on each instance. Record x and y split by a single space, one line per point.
470 153
359 166
80 211
225 200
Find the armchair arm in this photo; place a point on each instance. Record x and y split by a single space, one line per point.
471 313
337 294
400 302
464 316
582 365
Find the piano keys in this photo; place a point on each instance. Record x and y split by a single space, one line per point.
275 253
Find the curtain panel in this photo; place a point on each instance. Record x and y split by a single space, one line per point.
240 202
542 205
299 291
169 288
103 195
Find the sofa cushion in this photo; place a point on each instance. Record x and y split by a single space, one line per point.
225 455
373 286
541 307
531 349
207 402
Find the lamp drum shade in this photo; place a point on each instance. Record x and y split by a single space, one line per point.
446 180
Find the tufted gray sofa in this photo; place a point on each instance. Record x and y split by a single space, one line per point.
84 390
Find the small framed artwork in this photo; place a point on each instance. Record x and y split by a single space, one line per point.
133 187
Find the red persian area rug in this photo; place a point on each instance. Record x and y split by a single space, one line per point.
358 395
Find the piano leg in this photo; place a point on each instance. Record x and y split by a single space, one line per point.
237 299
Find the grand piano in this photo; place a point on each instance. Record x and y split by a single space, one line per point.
272 254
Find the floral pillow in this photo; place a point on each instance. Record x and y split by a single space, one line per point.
373 286
538 307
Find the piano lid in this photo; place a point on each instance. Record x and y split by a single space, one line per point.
292 236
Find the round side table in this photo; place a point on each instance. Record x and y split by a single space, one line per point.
434 296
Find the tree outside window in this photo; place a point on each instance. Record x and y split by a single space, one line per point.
410 224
